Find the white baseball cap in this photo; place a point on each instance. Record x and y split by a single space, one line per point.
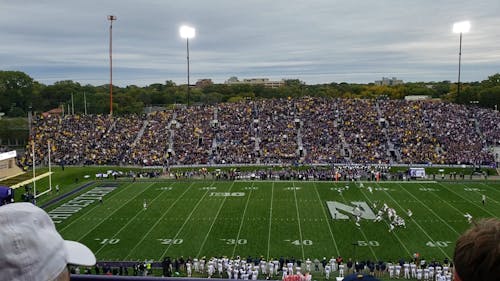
32 249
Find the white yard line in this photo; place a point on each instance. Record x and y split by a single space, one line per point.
128 223
298 220
473 202
158 221
419 226
185 222
393 232
362 232
88 213
270 221
110 214
432 211
212 225
241 223
327 220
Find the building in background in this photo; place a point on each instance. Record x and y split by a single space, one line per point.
388 81
256 81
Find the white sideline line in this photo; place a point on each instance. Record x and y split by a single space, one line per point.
327 220
362 232
95 206
432 211
298 220
419 226
270 221
393 232
346 181
128 222
212 225
185 221
158 221
110 214
241 223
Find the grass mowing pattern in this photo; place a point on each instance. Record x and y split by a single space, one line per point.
273 219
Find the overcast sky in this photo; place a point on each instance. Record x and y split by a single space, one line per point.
316 41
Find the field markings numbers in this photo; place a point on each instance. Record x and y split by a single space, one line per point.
431 210
270 220
468 200
112 213
298 217
241 222
369 243
326 217
212 225
158 221
123 189
419 226
362 232
130 221
185 222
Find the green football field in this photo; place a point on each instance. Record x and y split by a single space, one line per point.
270 219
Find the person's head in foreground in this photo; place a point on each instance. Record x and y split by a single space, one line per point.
32 249
477 252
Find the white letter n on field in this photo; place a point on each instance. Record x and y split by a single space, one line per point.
335 209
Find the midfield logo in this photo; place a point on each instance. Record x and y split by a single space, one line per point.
339 210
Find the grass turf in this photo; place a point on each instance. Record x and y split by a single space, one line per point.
273 219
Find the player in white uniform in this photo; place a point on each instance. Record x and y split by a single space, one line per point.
327 271
196 265
398 270
308 265
341 270
189 269
145 204
419 274
426 274
410 213
370 189
468 217
391 270
406 270
413 267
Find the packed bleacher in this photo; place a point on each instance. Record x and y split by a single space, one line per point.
278 131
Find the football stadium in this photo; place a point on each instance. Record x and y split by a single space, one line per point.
306 169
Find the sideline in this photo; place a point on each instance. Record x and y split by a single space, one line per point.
39 177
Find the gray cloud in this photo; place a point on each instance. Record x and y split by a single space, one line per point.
317 41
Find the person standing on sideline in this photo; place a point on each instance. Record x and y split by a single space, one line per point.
32 249
477 252
483 199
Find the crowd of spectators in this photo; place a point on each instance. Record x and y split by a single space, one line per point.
279 131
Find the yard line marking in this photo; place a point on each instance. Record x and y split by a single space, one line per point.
393 232
362 232
490 187
241 222
419 226
159 220
270 221
110 214
95 206
432 211
128 222
298 219
185 221
473 202
327 221
212 225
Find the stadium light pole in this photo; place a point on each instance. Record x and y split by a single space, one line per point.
187 32
460 27
111 18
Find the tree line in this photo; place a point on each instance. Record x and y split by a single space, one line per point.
19 93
